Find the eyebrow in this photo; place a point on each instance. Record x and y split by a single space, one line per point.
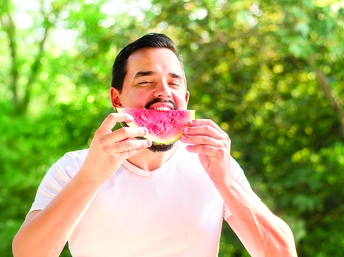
140 74
177 76
144 74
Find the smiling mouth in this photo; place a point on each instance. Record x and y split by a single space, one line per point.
162 108
161 105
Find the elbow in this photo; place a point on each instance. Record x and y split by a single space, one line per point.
21 248
16 247
285 251
288 247
284 243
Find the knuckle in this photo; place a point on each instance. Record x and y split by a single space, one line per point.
101 142
226 138
208 128
207 139
128 130
221 152
128 144
205 148
229 142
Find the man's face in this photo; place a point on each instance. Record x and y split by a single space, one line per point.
154 79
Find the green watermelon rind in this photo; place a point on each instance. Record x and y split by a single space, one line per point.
174 133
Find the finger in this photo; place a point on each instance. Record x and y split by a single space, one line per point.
111 120
213 152
132 145
111 141
204 122
206 130
128 154
125 133
201 140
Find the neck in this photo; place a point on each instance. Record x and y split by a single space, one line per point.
148 160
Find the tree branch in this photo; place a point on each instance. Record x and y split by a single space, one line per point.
37 62
8 24
329 93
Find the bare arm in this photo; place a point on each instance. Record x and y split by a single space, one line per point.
262 233
45 233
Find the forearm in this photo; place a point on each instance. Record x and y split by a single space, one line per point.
47 232
262 233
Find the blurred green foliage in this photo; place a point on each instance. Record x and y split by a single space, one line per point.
271 75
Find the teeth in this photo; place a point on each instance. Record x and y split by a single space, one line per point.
162 108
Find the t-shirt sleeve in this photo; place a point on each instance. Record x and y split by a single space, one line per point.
239 176
60 173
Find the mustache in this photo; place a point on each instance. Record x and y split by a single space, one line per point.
158 100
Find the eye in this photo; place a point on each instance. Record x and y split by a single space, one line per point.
175 83
145 82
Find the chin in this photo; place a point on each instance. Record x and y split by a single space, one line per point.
160 148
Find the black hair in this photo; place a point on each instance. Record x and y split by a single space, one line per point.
119 68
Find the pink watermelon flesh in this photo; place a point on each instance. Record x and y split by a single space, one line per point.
164 127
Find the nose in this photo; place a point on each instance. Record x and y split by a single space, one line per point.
162 90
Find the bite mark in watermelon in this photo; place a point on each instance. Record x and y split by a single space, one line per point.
164 127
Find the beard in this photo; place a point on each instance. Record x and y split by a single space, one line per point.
160 148
155 148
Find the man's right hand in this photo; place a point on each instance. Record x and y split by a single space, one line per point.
110 148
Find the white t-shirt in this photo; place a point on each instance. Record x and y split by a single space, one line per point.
172 211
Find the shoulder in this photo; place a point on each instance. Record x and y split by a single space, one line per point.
59 174
78 156
68 165
74 157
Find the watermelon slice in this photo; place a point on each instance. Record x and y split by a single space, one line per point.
164 127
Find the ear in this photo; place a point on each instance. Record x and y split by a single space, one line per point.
115 98
187 96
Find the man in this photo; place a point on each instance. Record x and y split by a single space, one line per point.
128 197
